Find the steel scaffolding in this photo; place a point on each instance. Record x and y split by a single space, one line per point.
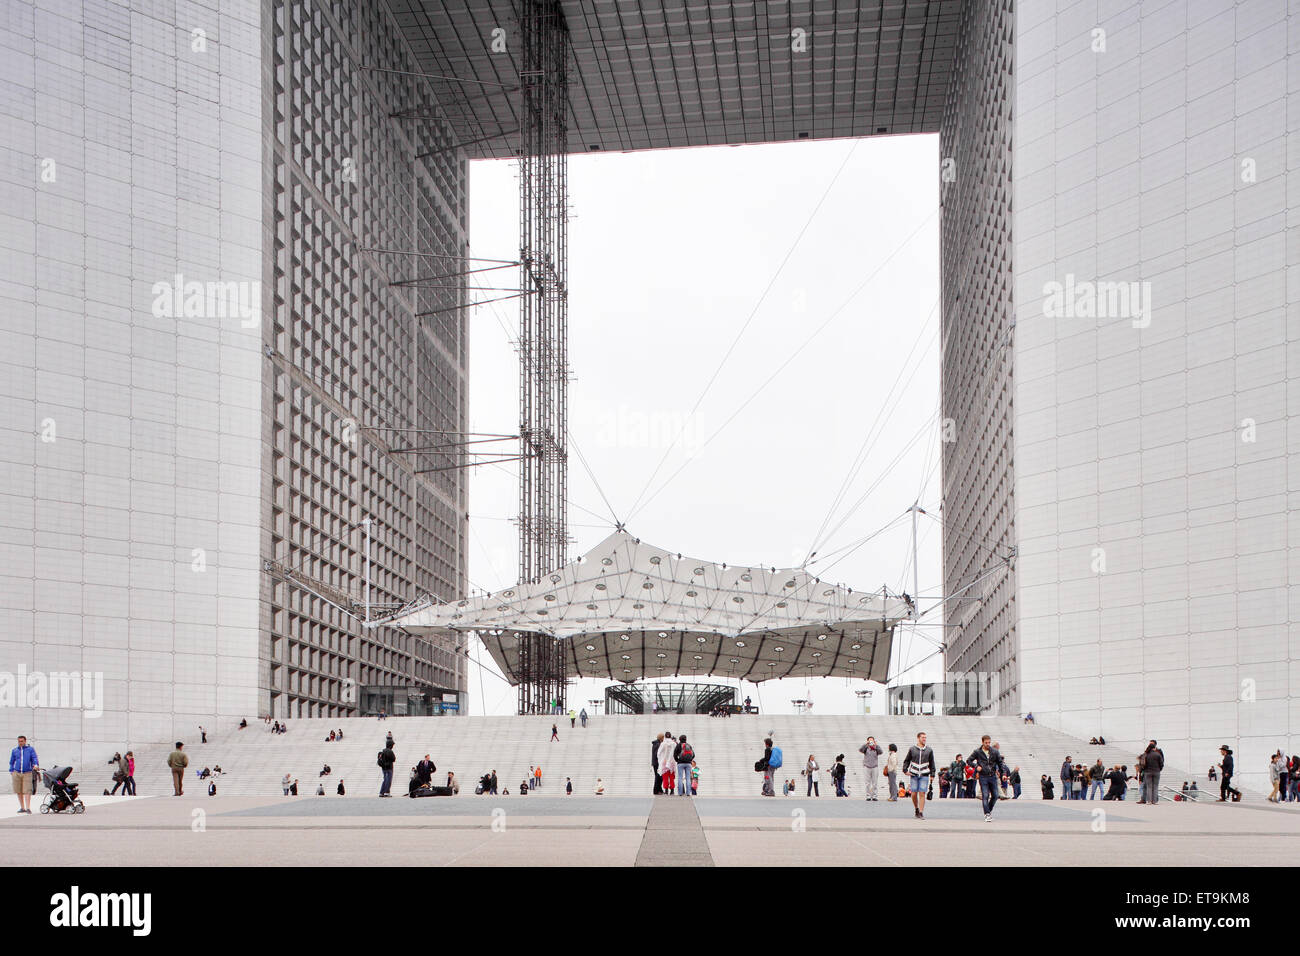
543 329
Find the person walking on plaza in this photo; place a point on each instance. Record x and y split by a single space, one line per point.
128 768
493 782
654 764
1274 777
838 773
203 735
23 766
871 752
583 716
1066 775
177 761
891 768
119 775
573 719
766 768
988 765
387 758
1014 780
684 755
555 733
810 771
388 740
1098 777
957 777
1153 761
1227 765
919 764
667 768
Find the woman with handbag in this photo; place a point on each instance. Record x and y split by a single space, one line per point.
891 771
810 771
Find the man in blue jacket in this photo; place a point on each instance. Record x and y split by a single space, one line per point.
23 764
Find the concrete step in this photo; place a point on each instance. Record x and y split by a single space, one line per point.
616 749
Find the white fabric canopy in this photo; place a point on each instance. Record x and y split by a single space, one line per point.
631 610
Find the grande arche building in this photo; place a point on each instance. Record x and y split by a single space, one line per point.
1117 485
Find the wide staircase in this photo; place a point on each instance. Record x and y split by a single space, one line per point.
614 749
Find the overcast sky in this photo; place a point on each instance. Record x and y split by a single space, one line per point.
819 262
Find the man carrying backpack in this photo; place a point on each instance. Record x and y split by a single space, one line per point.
684 753
385 761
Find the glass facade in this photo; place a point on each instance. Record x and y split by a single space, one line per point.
205 370
977 396
356 363
670 698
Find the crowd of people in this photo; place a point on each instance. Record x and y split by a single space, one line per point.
1080 782
915 774
986 774
1284 775
677 770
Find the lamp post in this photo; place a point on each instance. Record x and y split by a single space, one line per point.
365 525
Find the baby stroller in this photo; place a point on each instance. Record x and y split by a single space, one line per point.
63 793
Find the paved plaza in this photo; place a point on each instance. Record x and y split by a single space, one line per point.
640 831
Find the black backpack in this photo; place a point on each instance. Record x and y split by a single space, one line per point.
379 761
685 754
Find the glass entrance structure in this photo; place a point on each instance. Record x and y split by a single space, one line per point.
671 698
411 700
